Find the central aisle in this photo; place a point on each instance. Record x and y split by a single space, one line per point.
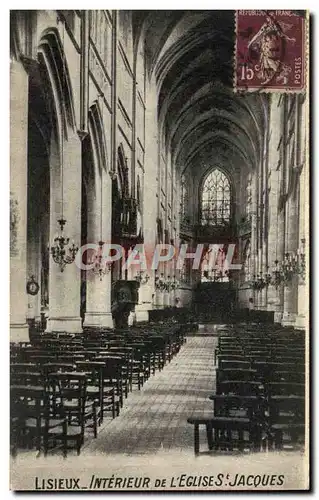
155 418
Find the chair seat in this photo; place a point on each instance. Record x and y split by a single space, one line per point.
291 426
220 421
72 430
33 422
71 404
108 388
92 390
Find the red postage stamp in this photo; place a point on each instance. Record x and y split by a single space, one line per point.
270 50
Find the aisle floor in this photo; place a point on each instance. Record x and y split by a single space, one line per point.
155 418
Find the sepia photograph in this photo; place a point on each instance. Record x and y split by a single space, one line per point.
159 250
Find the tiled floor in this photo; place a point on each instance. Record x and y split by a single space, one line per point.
155 418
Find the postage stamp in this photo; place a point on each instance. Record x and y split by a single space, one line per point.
270 50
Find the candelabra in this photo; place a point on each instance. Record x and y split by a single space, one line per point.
258 282
160 283
101 268
294 264
288 267
60 254
267 277
172 284
142 278
301 260
276 275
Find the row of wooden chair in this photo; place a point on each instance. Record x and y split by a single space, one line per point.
260 393
60 383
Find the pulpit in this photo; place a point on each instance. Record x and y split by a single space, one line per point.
124 300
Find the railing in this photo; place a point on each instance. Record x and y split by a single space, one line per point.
206 232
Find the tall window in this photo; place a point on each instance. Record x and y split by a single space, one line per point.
216 199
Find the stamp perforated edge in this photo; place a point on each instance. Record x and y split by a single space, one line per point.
267 90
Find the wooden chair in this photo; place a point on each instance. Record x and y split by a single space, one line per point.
33 408
126 354
286 422
112 379
243 365
234 374
285 389
96 391
69 398
235 405
226 433
240 387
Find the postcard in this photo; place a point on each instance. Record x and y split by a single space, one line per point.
159 250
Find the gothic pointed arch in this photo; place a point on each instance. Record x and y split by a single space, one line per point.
52 59
97 133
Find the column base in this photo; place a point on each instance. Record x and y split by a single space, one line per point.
141 316
131 318
19 332
98 320
166 302
159 300
277 317
68 325
300 323
288 319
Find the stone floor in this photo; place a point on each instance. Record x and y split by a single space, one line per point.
155 418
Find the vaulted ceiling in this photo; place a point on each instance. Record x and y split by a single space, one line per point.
191 55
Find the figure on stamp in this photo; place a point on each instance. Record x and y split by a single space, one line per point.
270 41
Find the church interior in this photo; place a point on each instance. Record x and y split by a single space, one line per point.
125 129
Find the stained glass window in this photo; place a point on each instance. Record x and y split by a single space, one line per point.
216 199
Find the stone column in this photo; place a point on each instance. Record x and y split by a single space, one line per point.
39 271
254 256
276 232
159 299
291 288
303 288
98 292
64 287
166 299
34 269
19 85
281 254
275 246
263 203
149 223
